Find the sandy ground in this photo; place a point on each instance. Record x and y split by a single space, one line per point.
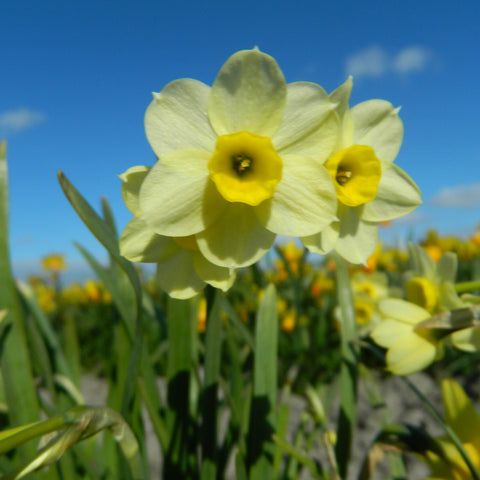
403 404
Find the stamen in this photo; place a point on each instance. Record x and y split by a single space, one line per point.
241 163
343 176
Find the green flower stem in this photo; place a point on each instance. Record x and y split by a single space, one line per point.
464 287
453 436
348 369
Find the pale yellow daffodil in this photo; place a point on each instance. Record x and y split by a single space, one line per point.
370 188
463 419
409 350
182 271
239 162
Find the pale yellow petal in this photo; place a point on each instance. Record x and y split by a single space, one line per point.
310 125
132 180
397 195
467 339
177 118
304 201
218 277
403 311
341 96
140 244
460 413
236 239
357 239
178 277
410 354
389 331
378 125
323 242
177 197
248 94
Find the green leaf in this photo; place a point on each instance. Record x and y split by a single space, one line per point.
261 449
15 361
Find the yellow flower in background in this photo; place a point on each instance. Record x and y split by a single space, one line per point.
202 316
370 188
239 162
430 284
289 320
463 419
54 263
46 297
409 350
182 271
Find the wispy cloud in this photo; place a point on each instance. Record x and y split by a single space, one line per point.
375 61
460 196
14 121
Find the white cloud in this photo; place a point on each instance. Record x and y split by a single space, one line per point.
14 121
371 62
460 196
375 61
411 60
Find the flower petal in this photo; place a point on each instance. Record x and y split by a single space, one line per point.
177 118
304 202
323 242
310 125
341 96
218 277
410 354
357 239
389 331
402 311
397 196
467 339
131 182
140 244
248 94
177 198
177 275
447 267
237 239
460 414
377 124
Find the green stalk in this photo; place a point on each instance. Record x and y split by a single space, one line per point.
260 444
464 287
15 362
348 369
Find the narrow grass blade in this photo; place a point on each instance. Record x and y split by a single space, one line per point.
261 447
348 371
15 361
180 457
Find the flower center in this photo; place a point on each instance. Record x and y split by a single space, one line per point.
356 173
422 292
245 167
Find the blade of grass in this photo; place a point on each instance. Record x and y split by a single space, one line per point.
15 362
261 447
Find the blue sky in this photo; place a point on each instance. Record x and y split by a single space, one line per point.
78 76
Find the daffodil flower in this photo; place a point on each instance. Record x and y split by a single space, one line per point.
430 284
239 162
182 271
369 187
410 349
463 419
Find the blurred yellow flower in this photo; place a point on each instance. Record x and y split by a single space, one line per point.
410 350
202 316
463 419
54 262
289 320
